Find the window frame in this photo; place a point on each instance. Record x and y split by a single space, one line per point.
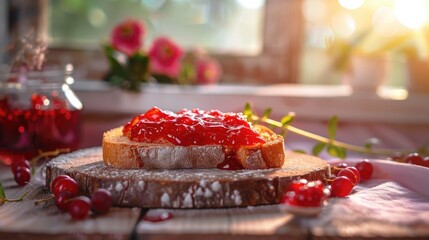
278 61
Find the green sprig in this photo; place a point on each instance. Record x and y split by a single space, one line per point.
2 194
3 198
332 146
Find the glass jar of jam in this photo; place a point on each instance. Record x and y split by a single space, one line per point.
39 112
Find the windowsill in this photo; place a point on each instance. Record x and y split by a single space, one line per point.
307 101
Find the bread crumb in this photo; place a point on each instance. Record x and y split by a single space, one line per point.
165 199
208 193
215 186
236 197
119 187
187 201
141 184
203 183
199 192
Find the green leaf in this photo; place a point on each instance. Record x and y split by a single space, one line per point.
286 120
138 66
163 79
2 194
247 112
343 152
187 74
336 151
332 127
317 149
267 113
299 151
116 68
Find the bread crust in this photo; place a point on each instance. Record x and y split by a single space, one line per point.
120 152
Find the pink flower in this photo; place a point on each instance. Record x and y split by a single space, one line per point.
165 57
127 36
208 71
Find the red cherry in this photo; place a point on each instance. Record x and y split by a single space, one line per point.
56 180
356 172
19 164
66 184
346 172
336 169
415 158
22 176
365 169
62 200
79 207
101 201
341 186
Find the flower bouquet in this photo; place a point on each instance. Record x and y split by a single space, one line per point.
164 62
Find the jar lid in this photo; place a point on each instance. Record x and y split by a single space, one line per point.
46 75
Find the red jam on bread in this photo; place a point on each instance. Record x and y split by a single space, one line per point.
161 139
192 127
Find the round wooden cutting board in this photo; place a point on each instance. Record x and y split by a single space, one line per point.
185 188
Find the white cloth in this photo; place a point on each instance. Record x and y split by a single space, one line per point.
397 193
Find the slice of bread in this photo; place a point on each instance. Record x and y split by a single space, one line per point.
120 152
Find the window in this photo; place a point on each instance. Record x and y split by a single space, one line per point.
221 26
269 53
394 30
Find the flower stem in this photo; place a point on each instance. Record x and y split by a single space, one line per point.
327 140
4 200
44 200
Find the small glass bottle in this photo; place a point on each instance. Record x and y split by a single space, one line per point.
39 112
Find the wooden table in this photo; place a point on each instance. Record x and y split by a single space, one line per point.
24 220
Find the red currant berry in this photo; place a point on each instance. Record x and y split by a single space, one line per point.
356 172
336 169
79 207
313 195
22 176
341 186
365 169
20 164
62 200
305 194
101 201
55 182
66 184
296 185
346 172
414 158
426 161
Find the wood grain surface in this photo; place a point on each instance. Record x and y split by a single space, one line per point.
24 220
186 188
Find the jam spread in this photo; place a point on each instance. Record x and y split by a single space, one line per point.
192 127
159 217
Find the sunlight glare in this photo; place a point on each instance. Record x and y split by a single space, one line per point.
343 25
351 4
411 14
251 4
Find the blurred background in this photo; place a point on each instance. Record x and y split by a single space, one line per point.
366 61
